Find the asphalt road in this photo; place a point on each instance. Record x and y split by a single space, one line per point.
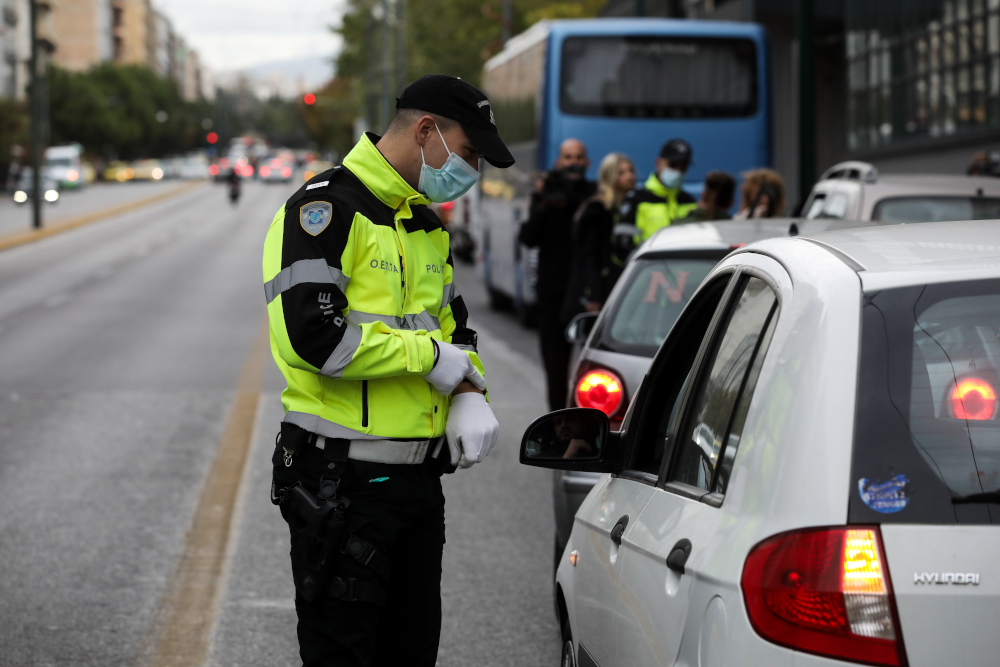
120 348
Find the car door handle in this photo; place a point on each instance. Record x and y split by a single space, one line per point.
616 532
679 555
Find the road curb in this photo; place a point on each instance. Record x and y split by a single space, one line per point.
21 238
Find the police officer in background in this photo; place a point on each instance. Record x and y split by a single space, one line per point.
385 386
549 228
658 203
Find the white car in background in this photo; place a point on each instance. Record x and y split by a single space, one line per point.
857 191
808 474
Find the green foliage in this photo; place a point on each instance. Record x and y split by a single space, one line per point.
330 121
112 110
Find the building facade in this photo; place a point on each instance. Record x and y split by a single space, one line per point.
83 34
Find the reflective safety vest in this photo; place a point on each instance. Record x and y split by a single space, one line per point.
654 207
358 280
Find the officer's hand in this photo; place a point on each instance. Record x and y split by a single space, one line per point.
471 429
451 367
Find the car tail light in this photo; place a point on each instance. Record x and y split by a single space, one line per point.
824 591
265 171
600 389
286 172
213 170
973 399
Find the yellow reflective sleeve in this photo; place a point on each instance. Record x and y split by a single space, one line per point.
385 352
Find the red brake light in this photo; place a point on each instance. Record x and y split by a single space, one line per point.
286 171
973 399
824 591
213 170
600 389
265 171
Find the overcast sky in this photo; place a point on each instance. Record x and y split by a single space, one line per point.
234 34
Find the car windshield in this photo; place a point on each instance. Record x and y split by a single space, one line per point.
59 162
654 293
927 436
936 209
659 77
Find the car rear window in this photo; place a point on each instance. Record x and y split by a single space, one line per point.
927 433
654 294
936 209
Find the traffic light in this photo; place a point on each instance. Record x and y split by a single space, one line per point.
309 99
212 137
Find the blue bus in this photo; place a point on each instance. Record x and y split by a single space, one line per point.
618 85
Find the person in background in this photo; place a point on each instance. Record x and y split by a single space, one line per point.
556 198
593 274
762 195
716 198
658 203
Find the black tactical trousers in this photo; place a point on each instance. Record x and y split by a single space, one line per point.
555 350
399 509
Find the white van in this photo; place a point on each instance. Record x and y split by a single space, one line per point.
65 166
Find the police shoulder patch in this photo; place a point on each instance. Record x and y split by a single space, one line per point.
315 216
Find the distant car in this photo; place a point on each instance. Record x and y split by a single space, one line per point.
26 186
66 166
147 170
617 345
857 191
119 171
277 170
193 167
809 473
316 167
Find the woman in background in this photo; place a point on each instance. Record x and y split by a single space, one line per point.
593 273
763 195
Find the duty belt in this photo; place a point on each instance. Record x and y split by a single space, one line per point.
409 452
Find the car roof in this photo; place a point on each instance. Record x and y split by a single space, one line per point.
731 234
887 256
933 185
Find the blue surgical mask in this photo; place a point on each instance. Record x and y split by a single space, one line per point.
671 178
448 183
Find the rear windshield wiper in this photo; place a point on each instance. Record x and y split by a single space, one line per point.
988 497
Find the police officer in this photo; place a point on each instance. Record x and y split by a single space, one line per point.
385 386
658 203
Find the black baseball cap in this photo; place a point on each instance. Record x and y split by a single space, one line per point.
676 150
457 100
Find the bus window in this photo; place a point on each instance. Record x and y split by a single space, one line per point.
659 77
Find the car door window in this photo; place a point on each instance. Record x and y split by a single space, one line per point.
711 432
667 376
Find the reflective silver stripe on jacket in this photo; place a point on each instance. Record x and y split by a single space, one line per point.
422 320
621 229
325 427
449 294
466 348
344 352
305 271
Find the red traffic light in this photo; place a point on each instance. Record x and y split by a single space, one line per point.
212 137
309 98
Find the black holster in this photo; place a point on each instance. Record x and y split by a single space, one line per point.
317 540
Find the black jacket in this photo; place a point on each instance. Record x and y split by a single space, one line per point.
549 228
592 275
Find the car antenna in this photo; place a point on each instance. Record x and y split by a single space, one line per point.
793 229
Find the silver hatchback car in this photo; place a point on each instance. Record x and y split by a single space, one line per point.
810 470
617 345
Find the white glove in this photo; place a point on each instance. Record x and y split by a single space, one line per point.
452 366
471 429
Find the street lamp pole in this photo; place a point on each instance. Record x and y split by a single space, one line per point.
508 19
807 101
35 103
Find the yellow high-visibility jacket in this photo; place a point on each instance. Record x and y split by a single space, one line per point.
358 280
653 207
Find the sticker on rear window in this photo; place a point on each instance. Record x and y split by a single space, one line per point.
886 497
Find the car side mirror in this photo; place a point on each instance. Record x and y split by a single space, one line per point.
571 439
580 327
